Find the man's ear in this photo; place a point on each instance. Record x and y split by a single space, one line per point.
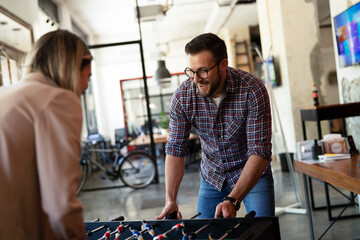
224 64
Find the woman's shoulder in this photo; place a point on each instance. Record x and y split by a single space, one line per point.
38 84
39 92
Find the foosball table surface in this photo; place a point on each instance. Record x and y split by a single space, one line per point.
247 228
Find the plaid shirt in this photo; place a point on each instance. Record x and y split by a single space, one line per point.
230 134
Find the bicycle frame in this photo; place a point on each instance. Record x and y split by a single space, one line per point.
132 169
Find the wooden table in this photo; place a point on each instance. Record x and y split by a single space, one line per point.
145 139
325 113
341 173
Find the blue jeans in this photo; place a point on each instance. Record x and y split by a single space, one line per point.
261 198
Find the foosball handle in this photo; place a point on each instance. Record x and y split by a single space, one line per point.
119 218
90 232
250 214
172 215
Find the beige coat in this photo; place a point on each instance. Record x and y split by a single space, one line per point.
40 127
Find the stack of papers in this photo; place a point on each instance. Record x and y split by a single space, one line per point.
328 157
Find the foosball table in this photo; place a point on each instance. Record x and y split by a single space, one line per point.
248 228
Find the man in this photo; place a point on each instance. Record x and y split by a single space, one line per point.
230 110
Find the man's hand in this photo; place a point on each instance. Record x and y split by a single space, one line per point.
226 209
168 209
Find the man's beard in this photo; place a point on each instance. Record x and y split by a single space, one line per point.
212 88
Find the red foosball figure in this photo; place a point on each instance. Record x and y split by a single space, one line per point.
120 228
175 227
178 226
159 237
107 235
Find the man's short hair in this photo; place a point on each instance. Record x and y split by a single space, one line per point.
207 42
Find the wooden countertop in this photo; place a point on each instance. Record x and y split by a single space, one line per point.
145 139
342 173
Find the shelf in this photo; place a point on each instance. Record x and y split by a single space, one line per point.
329 112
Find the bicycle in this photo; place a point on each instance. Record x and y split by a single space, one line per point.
135 169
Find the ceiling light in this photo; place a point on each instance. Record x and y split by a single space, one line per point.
151 12
162 76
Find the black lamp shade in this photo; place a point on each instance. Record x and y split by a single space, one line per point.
162 75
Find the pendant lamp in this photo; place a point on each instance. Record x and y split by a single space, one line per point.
162 76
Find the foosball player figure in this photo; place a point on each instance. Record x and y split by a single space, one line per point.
136 233
117 236
159 237
120 228
107 235
211 236
175 227
149 228
185 235
165 235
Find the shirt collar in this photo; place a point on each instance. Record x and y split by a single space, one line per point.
38 77
230 81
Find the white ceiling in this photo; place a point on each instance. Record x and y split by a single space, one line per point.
183 20
14 33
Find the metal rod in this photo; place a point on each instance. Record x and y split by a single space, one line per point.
311 226
113 44
193 235
229 231
196 215
96 229
332 223
175 227
153 153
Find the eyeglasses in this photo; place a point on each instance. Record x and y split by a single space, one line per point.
201 73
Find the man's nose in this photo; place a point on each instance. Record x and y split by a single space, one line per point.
197 78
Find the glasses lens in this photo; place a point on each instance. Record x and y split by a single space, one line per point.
189 73
202 73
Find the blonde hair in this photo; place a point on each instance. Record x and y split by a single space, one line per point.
60 56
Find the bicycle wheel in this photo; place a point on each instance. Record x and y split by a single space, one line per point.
137 170
85 168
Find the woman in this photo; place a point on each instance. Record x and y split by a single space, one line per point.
40 142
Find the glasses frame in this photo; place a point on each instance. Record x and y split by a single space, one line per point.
197 72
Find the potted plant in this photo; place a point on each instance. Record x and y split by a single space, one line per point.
164 123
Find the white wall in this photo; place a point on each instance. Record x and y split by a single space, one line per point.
290 30
329 91
122 62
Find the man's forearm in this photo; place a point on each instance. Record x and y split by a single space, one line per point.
249 177
174 172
